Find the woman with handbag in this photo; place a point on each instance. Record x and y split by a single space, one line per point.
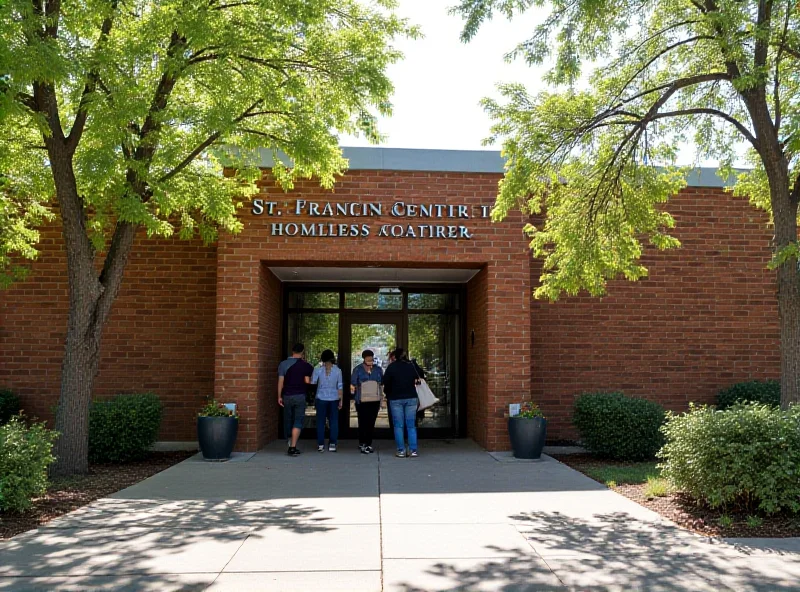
365 386
400 383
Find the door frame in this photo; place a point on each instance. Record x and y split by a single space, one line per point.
458 428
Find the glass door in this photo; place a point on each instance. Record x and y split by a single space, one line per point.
379 333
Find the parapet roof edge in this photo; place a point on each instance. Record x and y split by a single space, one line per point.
459 161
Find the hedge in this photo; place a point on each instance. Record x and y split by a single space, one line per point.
767 392
747 456
124 428
25 454
615 426
9 405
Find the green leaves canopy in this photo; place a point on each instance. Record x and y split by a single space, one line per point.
153 97
599 162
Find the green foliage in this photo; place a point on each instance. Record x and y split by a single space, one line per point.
215 409
530 410
755 521
9 405
612 425
627 474
656 487
767 392
725 521
747 456
124 428
597 152
25 454
147 102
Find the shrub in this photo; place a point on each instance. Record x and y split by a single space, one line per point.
25 454
767 392
747 456
124 428
9 405
614 426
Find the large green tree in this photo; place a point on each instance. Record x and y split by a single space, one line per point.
123 111
595 152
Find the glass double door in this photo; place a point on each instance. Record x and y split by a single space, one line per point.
432 338
379 333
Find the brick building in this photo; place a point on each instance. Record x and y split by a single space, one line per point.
402 251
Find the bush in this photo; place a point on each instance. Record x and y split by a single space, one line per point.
9 405
614 426
25 454
124 428
746 456
767 392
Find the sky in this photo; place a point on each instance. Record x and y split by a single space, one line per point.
439 83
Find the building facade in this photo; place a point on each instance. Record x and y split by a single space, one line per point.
402 251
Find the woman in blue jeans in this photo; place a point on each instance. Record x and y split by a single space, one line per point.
400 386
328 379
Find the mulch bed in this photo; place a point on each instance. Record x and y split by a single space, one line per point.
68 494
687 513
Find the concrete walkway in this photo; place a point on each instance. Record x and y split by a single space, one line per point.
455 518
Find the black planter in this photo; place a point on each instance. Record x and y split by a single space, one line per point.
217 436
527 436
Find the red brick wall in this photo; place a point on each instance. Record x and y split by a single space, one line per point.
159 338
270 337
501 245
192 320
477 361
706 317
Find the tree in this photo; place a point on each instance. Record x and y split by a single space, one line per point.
126 111
599 161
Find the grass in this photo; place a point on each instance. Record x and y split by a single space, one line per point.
612 475
656 487
754 521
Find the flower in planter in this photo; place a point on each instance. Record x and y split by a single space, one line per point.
530 410
216 409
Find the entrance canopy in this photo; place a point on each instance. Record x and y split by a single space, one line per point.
373 274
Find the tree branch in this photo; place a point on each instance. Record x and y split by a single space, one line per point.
208 141
776 96
91 84
716 113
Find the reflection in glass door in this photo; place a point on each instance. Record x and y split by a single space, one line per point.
380 338
433 343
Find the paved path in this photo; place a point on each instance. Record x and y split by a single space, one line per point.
453 519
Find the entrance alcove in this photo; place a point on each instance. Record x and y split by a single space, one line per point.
351 308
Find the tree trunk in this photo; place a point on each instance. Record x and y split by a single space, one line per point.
788 303
90 301
784 215
78 371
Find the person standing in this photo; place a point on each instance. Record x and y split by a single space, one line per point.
328 402
365 385
294 376
400 384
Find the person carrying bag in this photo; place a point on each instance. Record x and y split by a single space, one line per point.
365 386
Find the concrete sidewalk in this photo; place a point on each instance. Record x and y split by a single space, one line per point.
455 518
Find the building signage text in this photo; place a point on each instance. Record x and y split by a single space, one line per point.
398 209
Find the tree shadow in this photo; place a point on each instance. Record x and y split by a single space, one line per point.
147 544
611 552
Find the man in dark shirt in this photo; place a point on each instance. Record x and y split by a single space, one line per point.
294 376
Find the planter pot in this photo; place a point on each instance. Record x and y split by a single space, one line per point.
527 436
217 436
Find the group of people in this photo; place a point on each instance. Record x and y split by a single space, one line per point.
369 385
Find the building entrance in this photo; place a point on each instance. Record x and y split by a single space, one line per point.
427 321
